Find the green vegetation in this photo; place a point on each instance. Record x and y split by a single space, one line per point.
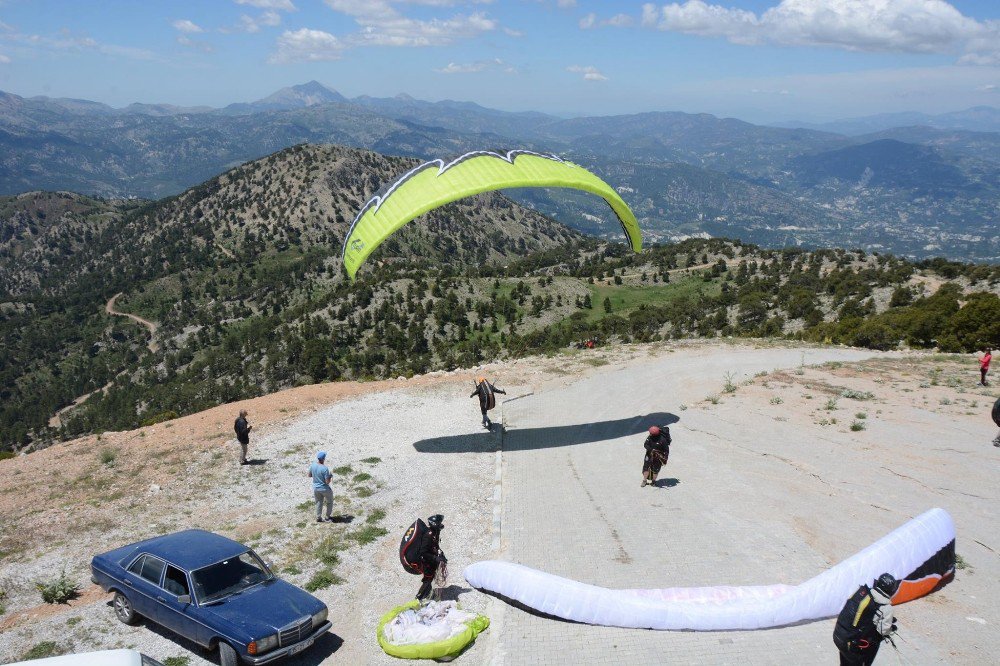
367 534
857 425
359 478
176 661
343 470
58 591
376 516
439 295
323 579
373 460
107 457
43 650
856 395
328 550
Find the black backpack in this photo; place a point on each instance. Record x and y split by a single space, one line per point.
845 634
411 547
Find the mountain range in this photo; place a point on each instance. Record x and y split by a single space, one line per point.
913 190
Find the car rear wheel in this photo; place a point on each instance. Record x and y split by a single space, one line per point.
124 610
227 655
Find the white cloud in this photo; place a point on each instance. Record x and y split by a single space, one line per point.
510 32
478 66
566 4
196 44
590 73
908 26
382 25
617 21
6 27
268 19
187 27
989 88
68 42
282 5
307 45
4 59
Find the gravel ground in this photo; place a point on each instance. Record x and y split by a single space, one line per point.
64 504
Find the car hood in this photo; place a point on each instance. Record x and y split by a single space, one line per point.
264 609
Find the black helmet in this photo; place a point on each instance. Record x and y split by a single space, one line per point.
436 521
885 585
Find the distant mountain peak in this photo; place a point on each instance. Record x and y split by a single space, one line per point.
403 97
299 96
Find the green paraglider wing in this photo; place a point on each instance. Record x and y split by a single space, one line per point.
438 182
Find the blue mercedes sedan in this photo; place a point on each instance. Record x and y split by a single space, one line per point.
213 591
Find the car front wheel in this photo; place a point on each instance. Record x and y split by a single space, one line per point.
124 610
227 655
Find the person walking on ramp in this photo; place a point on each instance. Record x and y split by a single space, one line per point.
865 621
657 447
243 429
487 398
322 491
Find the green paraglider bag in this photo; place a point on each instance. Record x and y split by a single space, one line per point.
445 650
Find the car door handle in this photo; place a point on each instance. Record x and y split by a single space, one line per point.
128 582
161 599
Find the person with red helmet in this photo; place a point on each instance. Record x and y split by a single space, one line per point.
657 447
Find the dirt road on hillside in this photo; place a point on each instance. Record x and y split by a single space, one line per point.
109 307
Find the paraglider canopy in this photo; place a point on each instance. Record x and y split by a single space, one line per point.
438 182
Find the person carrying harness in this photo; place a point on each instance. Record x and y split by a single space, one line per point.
657 447
487 398
420 552
865 621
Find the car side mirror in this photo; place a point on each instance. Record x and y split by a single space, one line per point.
184 599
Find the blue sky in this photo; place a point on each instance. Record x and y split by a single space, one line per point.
755 59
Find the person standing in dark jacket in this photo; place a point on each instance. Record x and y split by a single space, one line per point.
431 555
657 447
243 429
487 398
865 621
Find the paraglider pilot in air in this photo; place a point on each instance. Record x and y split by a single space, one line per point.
487 398
865 621
657 447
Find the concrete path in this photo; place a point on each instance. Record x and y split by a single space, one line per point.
735 507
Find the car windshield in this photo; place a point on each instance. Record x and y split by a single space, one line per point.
228 577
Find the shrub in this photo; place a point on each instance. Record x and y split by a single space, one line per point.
176 661
776 400
107 457
730 386
7 455
359 478
861 415
857 395
328 550
375 516
857 425
343 470
373 460
42 650
59 591
323 579
831 404
367 534
169 415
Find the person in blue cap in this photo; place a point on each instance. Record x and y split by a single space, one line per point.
322 491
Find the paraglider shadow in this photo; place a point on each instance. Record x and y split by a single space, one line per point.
451 592
666 483
528 439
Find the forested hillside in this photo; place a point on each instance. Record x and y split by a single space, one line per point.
243 276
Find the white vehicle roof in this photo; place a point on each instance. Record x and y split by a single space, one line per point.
102 658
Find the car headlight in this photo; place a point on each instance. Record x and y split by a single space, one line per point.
319 618
262 645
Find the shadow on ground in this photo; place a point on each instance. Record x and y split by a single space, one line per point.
527 439
666 483
316 654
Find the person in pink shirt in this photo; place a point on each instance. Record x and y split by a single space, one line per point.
984 366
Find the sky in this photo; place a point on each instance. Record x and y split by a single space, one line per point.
759 60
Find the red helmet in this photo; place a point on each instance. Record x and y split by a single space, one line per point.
654 431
